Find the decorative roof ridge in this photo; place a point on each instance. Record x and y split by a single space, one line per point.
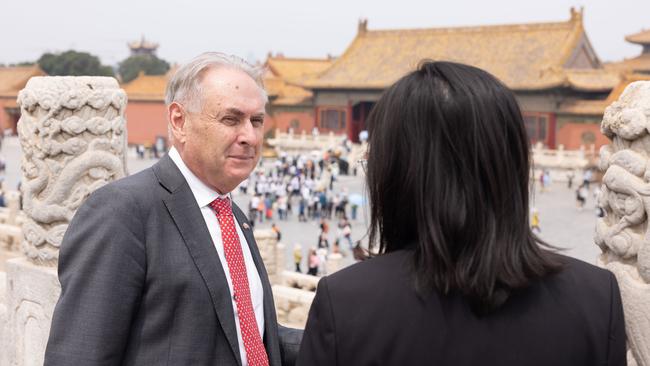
355 43
471 29
574 21
577 33
271 64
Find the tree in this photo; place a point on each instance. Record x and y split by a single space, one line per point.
73 63
150 64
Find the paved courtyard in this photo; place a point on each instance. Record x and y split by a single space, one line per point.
562 224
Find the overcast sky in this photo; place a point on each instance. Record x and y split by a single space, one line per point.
252 28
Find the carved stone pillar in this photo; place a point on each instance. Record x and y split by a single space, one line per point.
72 132
623 234
73 136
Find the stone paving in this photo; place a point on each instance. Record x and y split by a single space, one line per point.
562 224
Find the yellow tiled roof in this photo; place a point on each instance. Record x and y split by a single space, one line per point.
523 56
297 68
283 93
637 64
13 79
283 72
143 43
597 107
642 37
152 87
592 79
148 87
627 80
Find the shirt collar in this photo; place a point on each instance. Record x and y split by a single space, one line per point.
203 194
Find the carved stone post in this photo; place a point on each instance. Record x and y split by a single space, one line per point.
73 135
72 132
623 234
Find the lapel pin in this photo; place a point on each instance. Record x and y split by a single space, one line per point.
245 226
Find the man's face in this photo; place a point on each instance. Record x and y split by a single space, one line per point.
221 144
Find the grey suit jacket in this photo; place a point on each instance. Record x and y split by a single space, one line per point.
143 285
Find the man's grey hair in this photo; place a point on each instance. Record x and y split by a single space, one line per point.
185 85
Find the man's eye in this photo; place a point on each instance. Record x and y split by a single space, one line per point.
230 120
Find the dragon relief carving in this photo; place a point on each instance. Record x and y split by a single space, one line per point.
72 132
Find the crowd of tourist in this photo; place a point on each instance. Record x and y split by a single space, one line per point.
304 188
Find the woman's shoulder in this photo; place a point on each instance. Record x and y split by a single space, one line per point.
385 269
579 282
577 270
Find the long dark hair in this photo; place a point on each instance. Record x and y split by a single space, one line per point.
448 174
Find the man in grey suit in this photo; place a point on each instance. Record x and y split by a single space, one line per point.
161 268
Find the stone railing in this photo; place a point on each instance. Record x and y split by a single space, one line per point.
272 252
293 292
299 280
304 143
11 221
292 305
564 159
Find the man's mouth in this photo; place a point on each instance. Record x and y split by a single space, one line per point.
242 157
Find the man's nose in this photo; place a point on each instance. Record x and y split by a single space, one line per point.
248 134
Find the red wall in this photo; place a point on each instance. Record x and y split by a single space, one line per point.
571 135
145 121
282 121
6 120
4 117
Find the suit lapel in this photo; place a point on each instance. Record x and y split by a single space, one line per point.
270 321
190 223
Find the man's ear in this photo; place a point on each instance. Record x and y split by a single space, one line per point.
177 117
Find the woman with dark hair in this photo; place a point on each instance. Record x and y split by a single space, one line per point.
460 278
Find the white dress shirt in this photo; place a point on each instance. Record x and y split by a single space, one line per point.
204 195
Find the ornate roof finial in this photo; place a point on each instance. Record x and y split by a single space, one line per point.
576 14
363 26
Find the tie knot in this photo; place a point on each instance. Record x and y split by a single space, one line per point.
221 206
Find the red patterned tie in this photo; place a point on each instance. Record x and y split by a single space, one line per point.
255 352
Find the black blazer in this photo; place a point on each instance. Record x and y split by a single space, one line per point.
141 282
369 314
